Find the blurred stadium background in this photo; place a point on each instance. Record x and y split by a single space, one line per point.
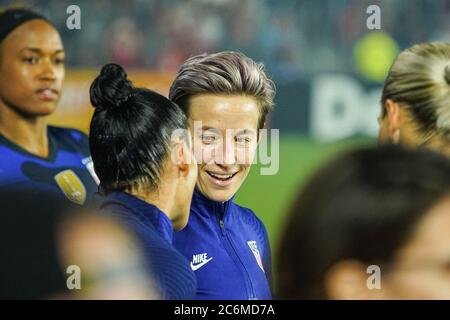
327 65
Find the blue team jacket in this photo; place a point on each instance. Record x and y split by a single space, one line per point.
67 171
170 271
228 249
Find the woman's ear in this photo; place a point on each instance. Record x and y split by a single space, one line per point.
258 133
184 158
394 120
347 280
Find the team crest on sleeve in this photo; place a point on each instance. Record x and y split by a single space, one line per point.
71 186
254 247
90 167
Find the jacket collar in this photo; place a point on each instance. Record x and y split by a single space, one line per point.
206 207
145 212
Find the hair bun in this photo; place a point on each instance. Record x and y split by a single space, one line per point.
111 88
447 74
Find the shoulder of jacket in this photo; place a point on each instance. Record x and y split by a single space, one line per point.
248 215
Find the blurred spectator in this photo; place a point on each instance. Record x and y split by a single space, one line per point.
124 43
291 36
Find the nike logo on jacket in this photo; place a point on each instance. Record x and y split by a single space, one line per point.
199 260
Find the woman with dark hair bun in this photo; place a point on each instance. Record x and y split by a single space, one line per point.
142 156
372 224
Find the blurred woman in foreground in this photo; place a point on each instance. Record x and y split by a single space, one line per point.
416 98
52 250
373 224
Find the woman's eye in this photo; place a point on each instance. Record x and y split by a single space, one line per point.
31 60
59 61
243 140
208 139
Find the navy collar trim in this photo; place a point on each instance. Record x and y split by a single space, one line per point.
206 206
52 146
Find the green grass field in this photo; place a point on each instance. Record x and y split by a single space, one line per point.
270 197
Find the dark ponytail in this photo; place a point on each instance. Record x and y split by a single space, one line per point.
130 131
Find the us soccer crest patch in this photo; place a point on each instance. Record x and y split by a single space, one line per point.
254 247
71 185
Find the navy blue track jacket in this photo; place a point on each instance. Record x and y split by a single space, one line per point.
168 268
228 249
68 169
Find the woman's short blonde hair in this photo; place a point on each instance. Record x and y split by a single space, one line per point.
225 73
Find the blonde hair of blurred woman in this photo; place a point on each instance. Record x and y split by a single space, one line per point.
416 98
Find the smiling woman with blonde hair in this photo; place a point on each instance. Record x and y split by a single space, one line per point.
229 96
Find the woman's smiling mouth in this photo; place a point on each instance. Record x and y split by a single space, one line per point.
221 179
